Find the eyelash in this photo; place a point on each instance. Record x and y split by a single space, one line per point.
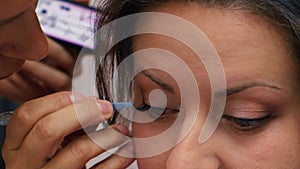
247 125
166 112
239 124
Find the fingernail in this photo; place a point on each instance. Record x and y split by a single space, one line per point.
105 107
76 97
122 129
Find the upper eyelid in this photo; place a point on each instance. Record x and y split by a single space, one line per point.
247 110
229 91
249 118
165 108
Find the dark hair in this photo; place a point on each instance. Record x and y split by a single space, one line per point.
282 14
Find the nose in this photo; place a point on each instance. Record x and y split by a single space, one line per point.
23 38
192 155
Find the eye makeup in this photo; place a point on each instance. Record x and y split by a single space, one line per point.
251 109
247 124
250 106
147 82
155 112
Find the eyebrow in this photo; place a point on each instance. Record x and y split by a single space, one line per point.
159 82
229 91
234 90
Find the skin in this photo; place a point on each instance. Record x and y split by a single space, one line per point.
38 129
20 34
38 134
253 55
22 45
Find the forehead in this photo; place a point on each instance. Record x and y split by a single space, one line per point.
249 48
224 27
11 8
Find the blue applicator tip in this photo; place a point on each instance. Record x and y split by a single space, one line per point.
121 105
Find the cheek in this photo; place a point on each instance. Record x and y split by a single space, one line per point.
153 162
146 131
282 146
150 129
274 148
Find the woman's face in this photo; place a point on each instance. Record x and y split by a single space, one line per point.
260 125
21 37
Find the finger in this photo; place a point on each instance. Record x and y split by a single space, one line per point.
19 88
25 117
48 76
48 133
29 89
81 150
10 91
121 161
60 57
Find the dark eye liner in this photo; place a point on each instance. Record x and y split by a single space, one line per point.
245 124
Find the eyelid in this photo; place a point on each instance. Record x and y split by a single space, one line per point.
247 118
246 108
248 124
247 114
147 106
171 102
161 114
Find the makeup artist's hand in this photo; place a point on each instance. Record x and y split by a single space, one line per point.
38 78
37 131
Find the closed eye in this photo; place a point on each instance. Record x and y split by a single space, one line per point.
245 124
157 112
